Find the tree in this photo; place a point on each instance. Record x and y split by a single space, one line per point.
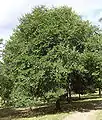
44 49
3 84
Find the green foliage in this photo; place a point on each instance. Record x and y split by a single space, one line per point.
45 48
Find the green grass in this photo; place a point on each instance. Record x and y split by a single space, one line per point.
48 112
92 99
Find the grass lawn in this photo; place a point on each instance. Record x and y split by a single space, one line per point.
38 113
48 112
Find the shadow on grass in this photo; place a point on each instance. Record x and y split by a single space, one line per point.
81 105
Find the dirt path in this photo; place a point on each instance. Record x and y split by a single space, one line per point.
82 116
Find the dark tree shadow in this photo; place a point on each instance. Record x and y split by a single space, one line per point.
81 106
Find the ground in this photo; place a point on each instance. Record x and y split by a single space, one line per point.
88 108
82 116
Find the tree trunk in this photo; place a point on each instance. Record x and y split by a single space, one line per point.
70 98
67 97
100 92
58 105
79 96
67 94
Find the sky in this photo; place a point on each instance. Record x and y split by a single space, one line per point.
12 10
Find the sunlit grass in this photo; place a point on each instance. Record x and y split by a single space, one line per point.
86 100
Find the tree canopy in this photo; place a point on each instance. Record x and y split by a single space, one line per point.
48 49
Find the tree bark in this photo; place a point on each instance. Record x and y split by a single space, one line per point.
58 107
79 96
100 92
67 94
70 98
67 97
